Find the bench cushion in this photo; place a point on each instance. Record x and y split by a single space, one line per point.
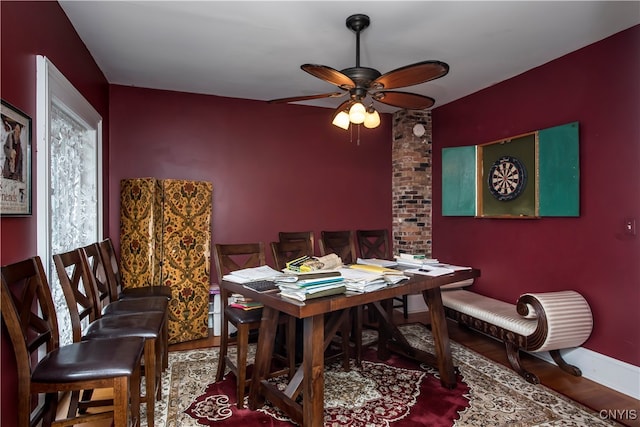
490 310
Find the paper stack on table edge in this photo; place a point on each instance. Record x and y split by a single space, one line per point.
246 275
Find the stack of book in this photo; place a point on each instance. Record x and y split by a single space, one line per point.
305 264
244 303
303 287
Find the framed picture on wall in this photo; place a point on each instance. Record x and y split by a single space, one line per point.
15 162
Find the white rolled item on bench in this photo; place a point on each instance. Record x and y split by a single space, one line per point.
569 320
547 321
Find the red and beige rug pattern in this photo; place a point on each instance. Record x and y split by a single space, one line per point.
395 393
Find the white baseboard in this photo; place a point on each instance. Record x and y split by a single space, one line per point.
607 371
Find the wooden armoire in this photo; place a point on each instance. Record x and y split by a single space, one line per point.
165 239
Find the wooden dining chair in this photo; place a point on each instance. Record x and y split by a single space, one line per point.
228 258
117 290
289 236
103 287
341 243
46 368
376 244
286 251
87 322
104 275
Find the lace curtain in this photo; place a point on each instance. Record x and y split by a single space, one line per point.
73 198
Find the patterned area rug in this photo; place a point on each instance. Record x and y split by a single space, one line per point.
395 393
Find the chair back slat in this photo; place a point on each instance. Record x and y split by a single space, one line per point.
97 268
79 289
374 243
111 267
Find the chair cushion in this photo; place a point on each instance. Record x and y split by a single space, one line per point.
239 316
146 325
89 360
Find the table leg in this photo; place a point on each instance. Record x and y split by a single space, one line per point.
313 364
433 298
384 334
264 354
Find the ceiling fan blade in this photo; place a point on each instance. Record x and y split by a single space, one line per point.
330 75
307 97
410 101
410 75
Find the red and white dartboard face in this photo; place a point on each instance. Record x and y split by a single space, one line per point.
507 178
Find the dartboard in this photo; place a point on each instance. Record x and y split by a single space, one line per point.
507 178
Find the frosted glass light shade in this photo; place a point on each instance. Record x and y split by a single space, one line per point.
341 120
371 119
356 113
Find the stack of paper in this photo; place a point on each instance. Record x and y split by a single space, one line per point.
364 278
436 269
306 288
385 271
376 261
246 275
408 260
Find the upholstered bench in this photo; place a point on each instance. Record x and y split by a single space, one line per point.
538 322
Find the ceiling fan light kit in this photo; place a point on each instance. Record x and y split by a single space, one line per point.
371 118
341 120
356 113
362 82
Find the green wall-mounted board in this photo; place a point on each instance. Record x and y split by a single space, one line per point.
459 181
559 170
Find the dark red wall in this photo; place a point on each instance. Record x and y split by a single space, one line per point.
598 86
279 167
30 29
273 167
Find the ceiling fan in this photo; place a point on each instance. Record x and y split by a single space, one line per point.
359 82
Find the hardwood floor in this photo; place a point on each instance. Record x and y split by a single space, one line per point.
588 393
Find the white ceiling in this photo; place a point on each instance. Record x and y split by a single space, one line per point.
253 50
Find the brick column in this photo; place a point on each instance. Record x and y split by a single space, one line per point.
411 183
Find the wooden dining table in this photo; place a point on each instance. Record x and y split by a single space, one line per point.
321 320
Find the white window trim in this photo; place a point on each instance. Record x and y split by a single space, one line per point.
53 85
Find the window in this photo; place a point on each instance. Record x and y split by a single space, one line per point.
68 178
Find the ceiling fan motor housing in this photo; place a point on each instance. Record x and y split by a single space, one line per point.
361 76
